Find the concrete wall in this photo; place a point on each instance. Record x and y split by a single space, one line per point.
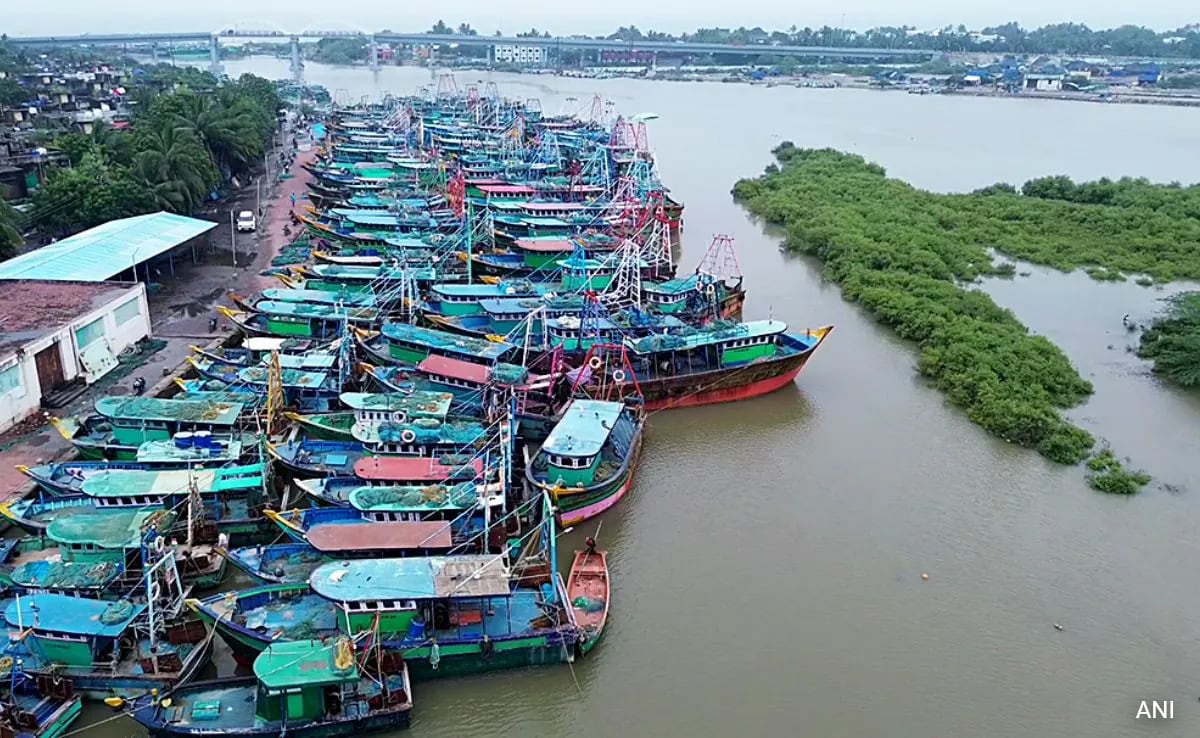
25 400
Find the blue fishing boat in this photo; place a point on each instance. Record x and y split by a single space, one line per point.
447 615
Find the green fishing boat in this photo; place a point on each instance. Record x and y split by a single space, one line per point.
121 425
373 408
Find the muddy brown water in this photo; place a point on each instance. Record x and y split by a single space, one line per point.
767 567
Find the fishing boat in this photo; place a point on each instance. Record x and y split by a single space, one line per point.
453 300
36 708
391 471
184 451
402 343
588 591
96 553
111 649
722 362
300 689
446 615
308 457
228 498
463 508
588 461
309 320
276 563
258 349
121 425
372 408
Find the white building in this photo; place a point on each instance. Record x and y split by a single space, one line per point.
514 54
56 332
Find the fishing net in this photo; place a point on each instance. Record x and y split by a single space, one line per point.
64 574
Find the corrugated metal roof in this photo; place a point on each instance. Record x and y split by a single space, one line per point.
106 250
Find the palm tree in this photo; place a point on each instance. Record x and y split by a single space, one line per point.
231 130
10 230
175 166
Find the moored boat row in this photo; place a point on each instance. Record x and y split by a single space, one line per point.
395 438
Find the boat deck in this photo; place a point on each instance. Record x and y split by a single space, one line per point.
291 618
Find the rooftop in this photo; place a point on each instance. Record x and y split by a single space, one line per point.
105 251
399 536
125 483
76 615
414 469
302 664
455 369
433 577
584 428
120 528
31 309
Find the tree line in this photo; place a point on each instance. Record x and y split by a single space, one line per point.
908 257
185 144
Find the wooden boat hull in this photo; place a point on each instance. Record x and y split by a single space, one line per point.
576 508
35 716
588 593
724 385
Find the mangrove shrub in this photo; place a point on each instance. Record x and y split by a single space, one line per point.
905 255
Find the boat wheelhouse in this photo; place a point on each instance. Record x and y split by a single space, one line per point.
588 461
306 320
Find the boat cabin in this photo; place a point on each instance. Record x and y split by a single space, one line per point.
573 449
72 632
295 679
408 503
408 593
394 407
718 346
166 488
375 539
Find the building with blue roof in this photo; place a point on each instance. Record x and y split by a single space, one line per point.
109 250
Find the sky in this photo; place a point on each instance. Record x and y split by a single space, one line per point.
53 17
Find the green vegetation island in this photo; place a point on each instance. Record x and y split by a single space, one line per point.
909 256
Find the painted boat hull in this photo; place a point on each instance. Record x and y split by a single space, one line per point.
724 385
575 509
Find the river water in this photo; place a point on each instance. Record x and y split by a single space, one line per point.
767 568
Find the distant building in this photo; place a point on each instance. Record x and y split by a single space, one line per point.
1048 78
520 55
53 333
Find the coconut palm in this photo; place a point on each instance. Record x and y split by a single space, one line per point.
174 164
229 129
10 230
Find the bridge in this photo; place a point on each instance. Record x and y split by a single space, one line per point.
213 38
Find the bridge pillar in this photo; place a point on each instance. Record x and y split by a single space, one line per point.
373 54
214 55
297 60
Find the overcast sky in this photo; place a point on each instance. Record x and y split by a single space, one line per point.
563 17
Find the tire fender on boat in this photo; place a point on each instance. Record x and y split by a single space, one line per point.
159 544
408 436
595 362
618 375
